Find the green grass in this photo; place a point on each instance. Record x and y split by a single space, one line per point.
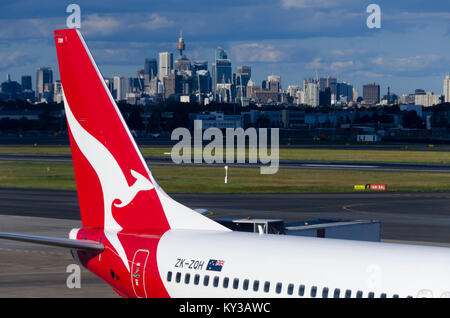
389 156
177 179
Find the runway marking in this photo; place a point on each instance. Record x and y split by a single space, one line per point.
33 251
347 208
337 166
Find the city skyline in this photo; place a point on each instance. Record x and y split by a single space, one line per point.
408 52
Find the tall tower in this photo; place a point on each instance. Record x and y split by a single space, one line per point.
181 46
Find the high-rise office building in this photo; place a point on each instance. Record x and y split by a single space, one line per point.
172 85
221 69
57 92
150 68
330 82
447 89
26 83
150 71
371 93
44 76
306 81
200 66
312 94
182 64
325 97
204 81
273 83
428 99
165 64
243 76
355 94
245 69
344 90
121 86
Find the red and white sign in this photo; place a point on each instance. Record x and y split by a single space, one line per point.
379 187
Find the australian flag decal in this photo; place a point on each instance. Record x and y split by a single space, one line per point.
215 265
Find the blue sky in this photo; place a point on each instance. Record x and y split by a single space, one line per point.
291 38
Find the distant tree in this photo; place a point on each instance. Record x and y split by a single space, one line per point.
412 121
134 120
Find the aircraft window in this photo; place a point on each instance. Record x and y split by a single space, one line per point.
169 276
395 296
196 279
266 287
301 290
337 293
371 295
290 289
216 281
236 283
256 285
325 292
225 282
348 293
178 277
313 291
187 278
245 285
206 280
383 295
359 294
278 288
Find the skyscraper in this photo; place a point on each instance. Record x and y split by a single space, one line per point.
312 94
165 64
243 76
44 76
26 82
200 66
221 69
325 97
245 69
447 89
150 68
150 71
273 83
344 90
172 85
182 64
371 93
121 85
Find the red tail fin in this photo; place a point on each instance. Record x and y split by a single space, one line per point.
115 187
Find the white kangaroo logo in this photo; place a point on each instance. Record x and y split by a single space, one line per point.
113 182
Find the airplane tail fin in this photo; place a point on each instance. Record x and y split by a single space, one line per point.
116 190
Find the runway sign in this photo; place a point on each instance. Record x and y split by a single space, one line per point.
375 187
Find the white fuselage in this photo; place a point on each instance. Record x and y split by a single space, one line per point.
291 266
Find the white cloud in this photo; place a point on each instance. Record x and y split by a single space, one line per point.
419 64
155 21
257 52
334 67
111 24
11 59
101 25
304 4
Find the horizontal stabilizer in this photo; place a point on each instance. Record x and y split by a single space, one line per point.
85 245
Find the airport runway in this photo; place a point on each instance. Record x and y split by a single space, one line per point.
39 271
284 164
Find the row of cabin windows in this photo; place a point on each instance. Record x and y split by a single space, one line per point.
266 287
